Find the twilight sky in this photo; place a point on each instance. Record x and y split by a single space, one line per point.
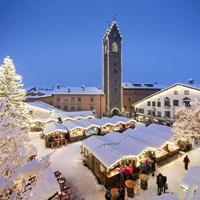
60 41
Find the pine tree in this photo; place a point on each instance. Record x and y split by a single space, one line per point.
187 122
14 124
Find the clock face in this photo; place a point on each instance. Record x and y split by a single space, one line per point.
115 71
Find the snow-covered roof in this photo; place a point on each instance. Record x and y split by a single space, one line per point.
191 177
54 126
84 124
66 90
46 186
129 85
112 147
54 113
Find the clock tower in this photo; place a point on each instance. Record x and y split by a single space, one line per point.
112 69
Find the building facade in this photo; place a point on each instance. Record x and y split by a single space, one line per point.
160 107
112 86
72 98
134 92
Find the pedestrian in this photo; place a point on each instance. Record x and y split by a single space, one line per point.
121 193
108 195
186 160
164 178
153 167
159 182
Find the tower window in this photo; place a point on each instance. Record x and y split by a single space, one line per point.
114 47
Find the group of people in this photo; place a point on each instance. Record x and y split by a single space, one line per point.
161 182
120 194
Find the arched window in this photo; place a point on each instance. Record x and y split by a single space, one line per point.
186 101
114 47
167 101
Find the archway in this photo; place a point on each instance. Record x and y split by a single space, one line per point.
115 111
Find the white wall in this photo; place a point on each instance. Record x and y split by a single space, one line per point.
193 93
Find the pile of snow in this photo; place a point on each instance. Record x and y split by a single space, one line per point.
46 186
165 197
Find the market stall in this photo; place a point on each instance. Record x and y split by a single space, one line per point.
55 135
128 153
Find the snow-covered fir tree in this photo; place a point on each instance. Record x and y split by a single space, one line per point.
14 127
187 122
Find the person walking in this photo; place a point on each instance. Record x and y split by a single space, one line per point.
122 193
153 167
108 195
159 182
186 160
164 178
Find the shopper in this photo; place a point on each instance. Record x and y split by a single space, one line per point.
186 161
159 182
108 195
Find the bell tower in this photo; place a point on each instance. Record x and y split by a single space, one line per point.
112 69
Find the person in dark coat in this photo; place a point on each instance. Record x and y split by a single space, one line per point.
153 167
186 160
121 193
108 195
159 182
164 178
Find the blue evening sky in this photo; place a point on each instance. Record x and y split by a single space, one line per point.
60 41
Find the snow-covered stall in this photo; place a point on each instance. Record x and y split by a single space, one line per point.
43 113
55 134
105 155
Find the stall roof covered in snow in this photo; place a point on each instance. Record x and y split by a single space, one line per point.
55 113
112 147
52 126
84 124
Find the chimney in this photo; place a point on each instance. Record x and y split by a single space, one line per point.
191 81
58 86
68 90
83 87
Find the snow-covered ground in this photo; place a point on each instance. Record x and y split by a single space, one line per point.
69 161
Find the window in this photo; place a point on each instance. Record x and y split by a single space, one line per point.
153 103
158 113
148 103
186 101
58 99
91 99
176 92
92 108
79 99
66 99
167 114
65 108
114 47
79 108
73 108
176 102
129 99
73 99
167 101
158 104
151 112
140 110
186 92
